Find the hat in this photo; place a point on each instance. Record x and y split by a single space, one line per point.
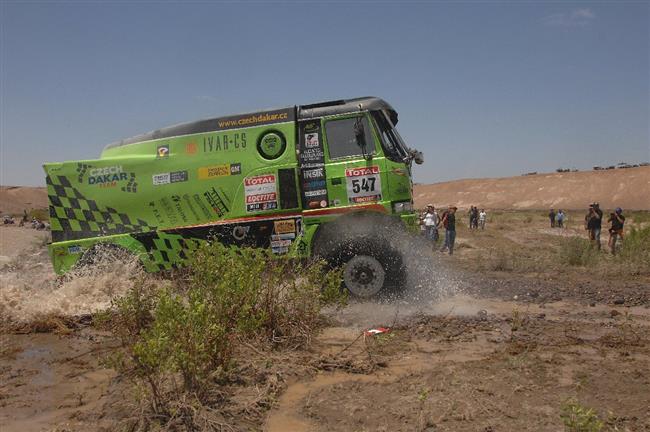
619 210
429 205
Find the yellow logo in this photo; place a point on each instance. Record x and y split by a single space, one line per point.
214 171
285 226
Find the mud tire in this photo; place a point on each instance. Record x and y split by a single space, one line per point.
340 241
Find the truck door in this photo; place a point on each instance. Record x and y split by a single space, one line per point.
342 171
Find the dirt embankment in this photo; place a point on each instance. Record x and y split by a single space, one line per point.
15 199
626 188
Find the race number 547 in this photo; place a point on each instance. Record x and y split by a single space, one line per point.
363 184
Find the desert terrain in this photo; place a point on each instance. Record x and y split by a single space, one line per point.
524 328
627 188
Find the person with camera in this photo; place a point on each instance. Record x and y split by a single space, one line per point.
593 223
617 220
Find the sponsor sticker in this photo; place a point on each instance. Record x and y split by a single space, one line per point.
161 179
191 148
311 140
288 236
260 193
285 226
215 171
162 151
76 249
363 184
315 193
280 243
170 177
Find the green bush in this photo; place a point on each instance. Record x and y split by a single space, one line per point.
577 251
578 418
635 250
191 331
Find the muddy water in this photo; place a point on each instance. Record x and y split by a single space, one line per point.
287 416
30 288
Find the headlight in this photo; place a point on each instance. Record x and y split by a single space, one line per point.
401 207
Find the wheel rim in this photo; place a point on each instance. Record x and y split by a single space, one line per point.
364 276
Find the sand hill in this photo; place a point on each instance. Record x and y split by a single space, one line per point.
626 188
15 199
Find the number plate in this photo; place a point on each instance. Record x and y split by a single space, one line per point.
363 184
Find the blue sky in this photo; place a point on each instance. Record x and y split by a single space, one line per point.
482 88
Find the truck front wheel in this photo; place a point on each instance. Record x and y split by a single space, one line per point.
364 276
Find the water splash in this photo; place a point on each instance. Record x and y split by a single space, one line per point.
30 287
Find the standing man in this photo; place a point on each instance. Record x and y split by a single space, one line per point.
616 229
449 222
551 216
482 216
594 223
559 217
431 222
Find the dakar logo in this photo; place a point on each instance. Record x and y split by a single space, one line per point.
106 176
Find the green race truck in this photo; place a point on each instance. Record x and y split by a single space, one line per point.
331 179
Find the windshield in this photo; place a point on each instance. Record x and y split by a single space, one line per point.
394 146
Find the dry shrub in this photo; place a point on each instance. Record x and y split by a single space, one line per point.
576 251
181 341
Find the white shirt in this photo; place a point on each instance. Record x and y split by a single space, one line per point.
430 219
482 215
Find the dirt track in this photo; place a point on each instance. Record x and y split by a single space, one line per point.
494 347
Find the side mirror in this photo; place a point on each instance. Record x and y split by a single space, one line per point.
360 133
418 157
360 137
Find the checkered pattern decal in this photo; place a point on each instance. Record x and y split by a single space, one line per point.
74 217
166 251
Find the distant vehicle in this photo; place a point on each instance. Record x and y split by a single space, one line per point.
611 167
598 168
563 170
8 220
644 164
530 173
623 166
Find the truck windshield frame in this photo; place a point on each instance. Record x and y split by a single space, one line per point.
394 147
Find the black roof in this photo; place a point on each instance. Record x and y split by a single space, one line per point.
368 103
264 117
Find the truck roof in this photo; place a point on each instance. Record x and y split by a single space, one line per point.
299 112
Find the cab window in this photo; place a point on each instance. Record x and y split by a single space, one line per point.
341 139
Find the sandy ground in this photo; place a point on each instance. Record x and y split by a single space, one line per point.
478 346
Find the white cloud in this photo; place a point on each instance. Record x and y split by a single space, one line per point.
574 18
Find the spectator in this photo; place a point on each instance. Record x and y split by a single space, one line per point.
617 221
593 223
470 214
482 216
431 222
475 218
449 222
559 218
551 216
